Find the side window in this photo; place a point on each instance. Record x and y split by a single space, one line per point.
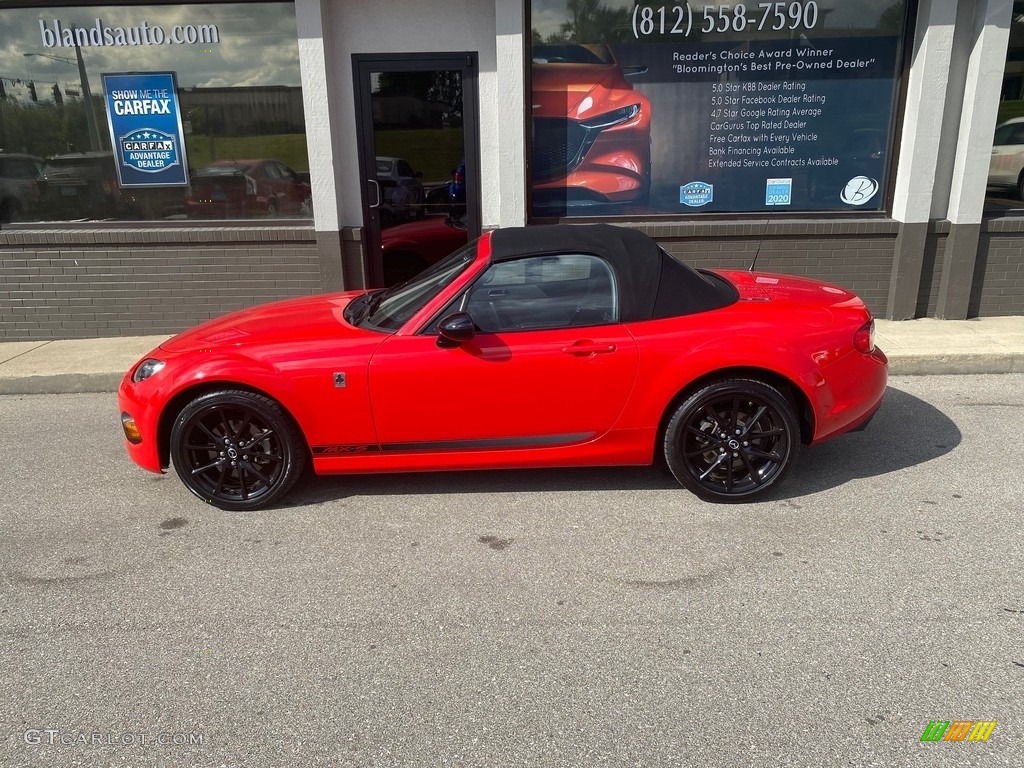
544 292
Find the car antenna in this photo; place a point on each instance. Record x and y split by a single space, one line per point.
760 240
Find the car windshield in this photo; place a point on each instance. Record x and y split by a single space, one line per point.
1009 134
390 309
571 54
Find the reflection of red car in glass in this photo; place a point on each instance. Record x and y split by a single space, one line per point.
231 189
591 130
410 248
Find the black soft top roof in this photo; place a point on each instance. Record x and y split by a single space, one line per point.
652 284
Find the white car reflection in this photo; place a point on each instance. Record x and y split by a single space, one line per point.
1006 169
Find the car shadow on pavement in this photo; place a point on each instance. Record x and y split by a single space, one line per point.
905 432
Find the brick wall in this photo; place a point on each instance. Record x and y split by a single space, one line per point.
77 283
998 288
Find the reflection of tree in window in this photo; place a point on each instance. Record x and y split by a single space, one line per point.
590 21
891 20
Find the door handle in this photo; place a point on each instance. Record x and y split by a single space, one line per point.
376 190
587 348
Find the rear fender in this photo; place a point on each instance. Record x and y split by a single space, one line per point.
749 357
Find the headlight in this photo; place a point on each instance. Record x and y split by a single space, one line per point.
615 117
147 368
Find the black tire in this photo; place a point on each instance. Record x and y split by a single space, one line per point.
732 440
1020 187
237 450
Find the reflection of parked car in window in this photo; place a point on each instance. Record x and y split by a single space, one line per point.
19 191
862 154
400 187
410 248
591 130
231 189
84 185
1006 169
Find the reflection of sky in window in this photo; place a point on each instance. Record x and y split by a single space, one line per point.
548 15
257 46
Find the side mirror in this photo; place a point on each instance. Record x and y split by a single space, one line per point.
455 329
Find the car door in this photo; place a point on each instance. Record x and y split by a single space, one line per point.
549 365
287 187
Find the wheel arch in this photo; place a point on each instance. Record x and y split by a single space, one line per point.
178 402
789 389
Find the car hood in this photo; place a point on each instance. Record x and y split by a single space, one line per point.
293 320
562 90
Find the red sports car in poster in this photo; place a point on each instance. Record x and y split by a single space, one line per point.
552 346
591 130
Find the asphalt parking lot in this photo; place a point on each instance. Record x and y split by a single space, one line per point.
587 617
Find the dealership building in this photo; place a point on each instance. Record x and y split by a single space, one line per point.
161 164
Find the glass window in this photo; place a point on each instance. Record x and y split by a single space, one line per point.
156 112
1006 168
677 108
543 292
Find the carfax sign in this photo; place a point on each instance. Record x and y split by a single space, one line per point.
145 129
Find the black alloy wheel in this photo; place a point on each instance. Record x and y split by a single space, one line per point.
732 440
237 450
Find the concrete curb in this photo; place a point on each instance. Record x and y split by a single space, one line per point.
899 365
956 364
924 347
61 384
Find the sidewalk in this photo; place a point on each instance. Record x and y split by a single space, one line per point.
914 347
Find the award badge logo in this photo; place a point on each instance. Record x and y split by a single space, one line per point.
858 190
149 150
696 193
778 192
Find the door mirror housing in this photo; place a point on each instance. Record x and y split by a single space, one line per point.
455 329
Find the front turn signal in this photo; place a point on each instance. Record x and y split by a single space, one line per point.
131 429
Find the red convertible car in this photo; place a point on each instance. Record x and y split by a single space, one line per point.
551 346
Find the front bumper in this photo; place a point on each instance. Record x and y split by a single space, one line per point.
133 403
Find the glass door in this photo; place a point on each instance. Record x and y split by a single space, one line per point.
419 159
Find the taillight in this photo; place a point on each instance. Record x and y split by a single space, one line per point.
864 338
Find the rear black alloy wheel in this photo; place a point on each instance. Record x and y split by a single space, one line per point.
732 440
236 450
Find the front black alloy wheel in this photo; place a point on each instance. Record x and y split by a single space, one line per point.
236 450
732 440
